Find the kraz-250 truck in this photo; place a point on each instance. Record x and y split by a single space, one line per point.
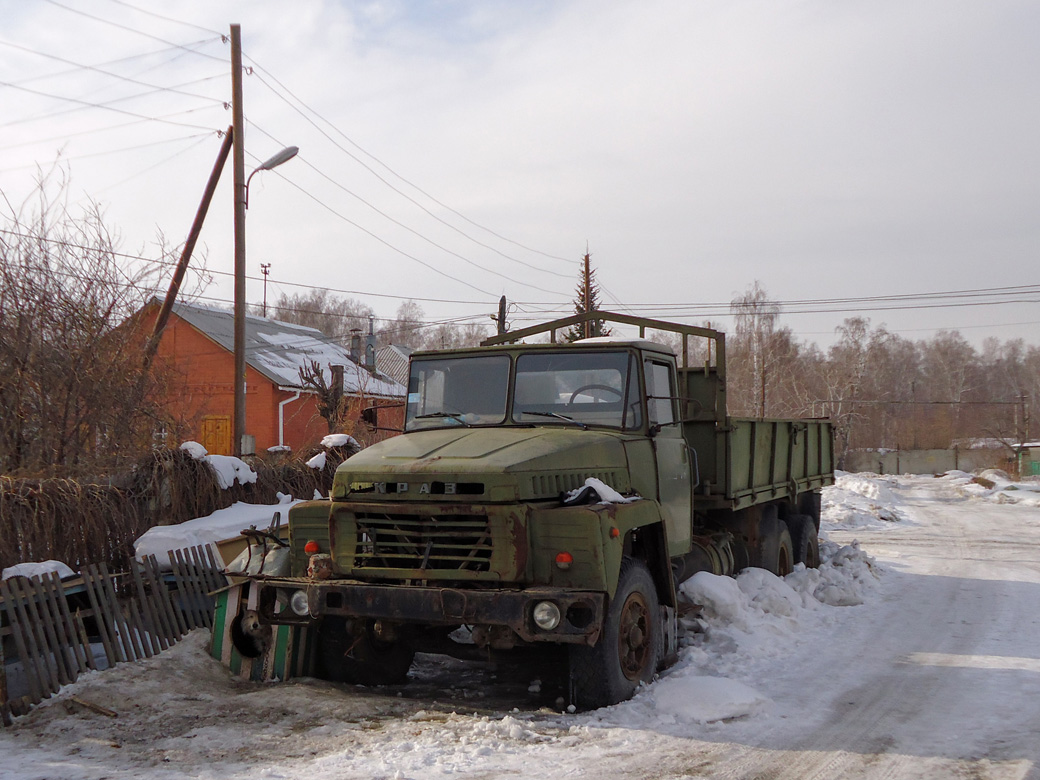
497 510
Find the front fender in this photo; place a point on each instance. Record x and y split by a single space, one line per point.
594 534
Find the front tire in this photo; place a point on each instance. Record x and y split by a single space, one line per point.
629 647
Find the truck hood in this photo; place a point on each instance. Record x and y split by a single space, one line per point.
512 463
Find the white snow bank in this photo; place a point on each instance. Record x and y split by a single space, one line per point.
1003 490
861 501
697 699
228 468
222 524
37 568
317 462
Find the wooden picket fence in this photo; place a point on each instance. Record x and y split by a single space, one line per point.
54 626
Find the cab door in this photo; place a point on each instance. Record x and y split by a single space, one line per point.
674 481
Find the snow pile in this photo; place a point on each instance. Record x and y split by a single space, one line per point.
37 569
995 485
222 524
340 440
317 462
697 699
861 501
228 469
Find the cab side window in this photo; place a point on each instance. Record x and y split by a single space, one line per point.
660 392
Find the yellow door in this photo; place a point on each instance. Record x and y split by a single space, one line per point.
216 434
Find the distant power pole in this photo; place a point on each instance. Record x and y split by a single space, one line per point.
265 269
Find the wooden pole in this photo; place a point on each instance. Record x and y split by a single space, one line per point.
189 247
239 166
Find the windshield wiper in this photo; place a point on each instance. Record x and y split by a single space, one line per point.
456 416
559 416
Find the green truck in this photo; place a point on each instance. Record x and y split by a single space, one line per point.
542 494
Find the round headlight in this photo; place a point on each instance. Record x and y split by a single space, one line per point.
546 615
298 602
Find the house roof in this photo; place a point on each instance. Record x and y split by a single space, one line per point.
393 360
278 350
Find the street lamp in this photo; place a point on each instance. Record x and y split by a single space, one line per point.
241 204
282 157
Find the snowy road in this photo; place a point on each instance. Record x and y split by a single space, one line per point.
935 675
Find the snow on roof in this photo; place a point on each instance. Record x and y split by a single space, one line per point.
393 360
278 350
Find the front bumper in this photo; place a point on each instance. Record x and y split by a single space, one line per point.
581 623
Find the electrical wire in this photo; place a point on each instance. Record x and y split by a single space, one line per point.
400 224
137 32
120 151
404 195
164 18
96 69
109 108
53 114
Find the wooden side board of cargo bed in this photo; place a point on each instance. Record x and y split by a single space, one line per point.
752 461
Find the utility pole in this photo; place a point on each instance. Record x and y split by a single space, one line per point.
239 165
501 315
265 269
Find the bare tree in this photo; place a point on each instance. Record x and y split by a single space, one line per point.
71 381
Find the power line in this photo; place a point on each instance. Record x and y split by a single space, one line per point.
391 186
402 225
107 107
39 117
66 136
128 58
276 282
165 18
135 31
96 69
120 151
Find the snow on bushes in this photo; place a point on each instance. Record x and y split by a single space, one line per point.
228 468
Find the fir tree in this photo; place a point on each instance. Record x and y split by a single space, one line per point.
587 300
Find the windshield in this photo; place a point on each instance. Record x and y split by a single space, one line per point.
457 391
586 388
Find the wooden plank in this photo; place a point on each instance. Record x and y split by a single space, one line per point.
48 621
156 635
81 631
46 662
17 619
203 586
182 601
61 606
112 650
130 616
125 634
174 618
189 589
220 580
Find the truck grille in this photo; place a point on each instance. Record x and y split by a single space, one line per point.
443 542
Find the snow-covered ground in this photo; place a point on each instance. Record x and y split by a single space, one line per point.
912 653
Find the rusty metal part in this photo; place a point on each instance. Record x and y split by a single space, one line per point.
582 611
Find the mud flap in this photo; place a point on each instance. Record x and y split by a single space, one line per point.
670 637
273 653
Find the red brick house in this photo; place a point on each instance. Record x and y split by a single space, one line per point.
197 354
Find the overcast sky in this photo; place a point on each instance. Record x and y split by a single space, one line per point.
830 150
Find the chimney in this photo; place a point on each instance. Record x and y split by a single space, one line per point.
370 346
355 345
